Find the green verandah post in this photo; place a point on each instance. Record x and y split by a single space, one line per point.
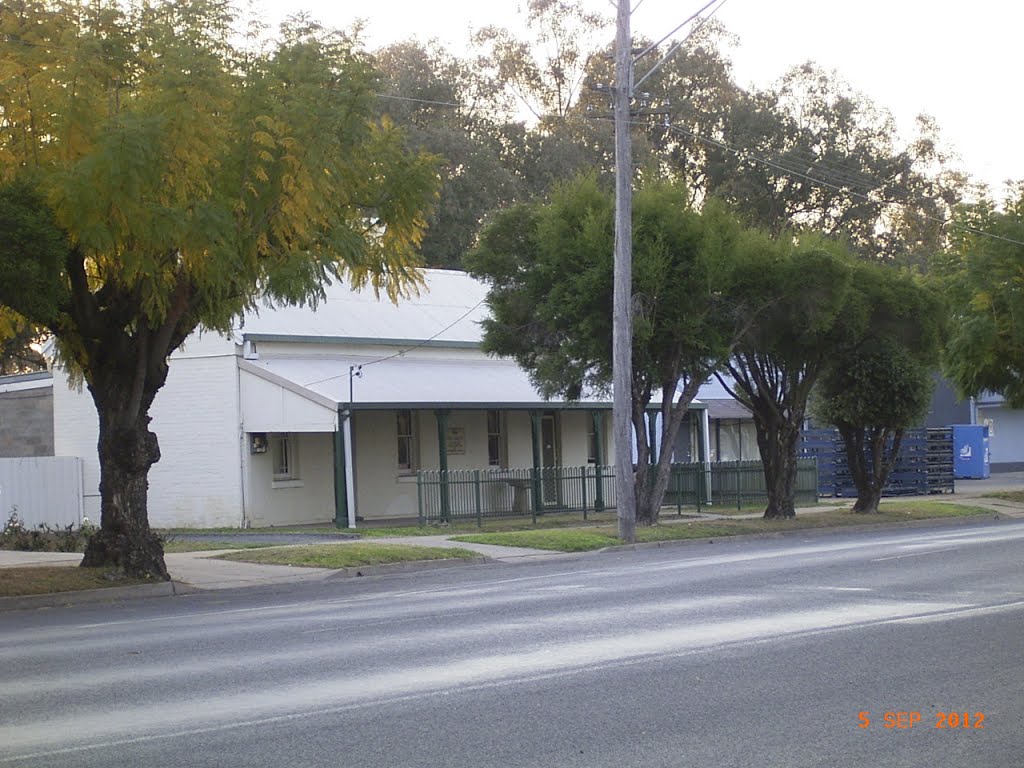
419 497
535 417
479 499
583 478
597 417
442 458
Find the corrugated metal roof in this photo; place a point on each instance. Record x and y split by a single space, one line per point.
409 381
20 381
726 408
449 307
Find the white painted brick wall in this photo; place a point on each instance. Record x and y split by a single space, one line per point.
197 481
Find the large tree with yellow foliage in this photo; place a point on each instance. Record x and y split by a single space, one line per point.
160 172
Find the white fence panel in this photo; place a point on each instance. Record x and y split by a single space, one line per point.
44 489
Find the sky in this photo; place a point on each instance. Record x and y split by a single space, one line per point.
958 63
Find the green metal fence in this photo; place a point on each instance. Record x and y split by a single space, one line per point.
463 495
478 494
732 484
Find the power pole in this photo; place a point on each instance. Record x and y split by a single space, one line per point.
622 318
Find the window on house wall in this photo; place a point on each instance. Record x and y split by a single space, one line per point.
729 440
286 457
495 446
407 450
591 440
748 442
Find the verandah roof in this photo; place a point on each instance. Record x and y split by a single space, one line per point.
412 382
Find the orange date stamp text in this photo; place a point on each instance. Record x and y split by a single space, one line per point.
906 719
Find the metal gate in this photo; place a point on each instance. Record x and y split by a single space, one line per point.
42 489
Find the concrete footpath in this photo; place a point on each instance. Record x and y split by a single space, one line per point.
201 571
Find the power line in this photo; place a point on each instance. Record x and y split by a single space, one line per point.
749 156
419 101
847 181
451 325
415 346
779 166
691 17
679 44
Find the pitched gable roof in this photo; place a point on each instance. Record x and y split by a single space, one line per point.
447 308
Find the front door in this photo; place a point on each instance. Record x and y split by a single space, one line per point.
550 457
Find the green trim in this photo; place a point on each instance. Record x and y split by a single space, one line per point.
535 433
360 341
441 416
597 417
491 406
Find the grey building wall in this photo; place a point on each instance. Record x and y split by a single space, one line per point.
26 422
1006 435
946 408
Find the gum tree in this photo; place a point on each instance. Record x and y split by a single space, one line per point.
802 288
550 271
880 382
157 177
982 274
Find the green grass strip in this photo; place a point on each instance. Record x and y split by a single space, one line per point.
554 539
47 579
671 529
1017 496
346 555
206 545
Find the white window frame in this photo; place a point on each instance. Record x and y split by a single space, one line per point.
591 439
498 436
284 446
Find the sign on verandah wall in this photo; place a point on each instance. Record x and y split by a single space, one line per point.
456 441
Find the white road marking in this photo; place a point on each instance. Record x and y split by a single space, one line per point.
914 554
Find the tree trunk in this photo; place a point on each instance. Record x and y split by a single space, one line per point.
857 463
646 513
778 445
869 462
126 454
652 479
123 359
867 500
652 494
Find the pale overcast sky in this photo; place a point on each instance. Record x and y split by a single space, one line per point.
959 63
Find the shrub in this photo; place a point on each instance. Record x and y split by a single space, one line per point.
44 538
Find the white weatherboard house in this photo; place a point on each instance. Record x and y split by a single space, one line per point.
306 416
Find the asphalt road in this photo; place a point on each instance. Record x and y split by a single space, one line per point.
737 653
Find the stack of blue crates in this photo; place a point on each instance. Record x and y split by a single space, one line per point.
924 464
